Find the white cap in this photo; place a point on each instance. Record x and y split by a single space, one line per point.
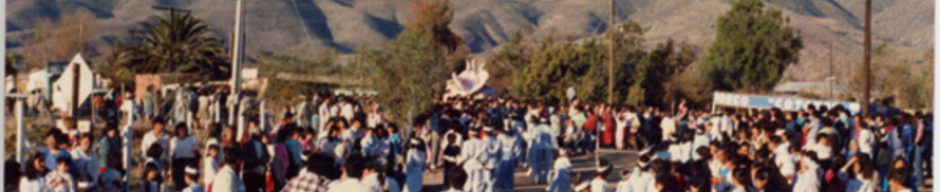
415 141
582 186
85 184
191 170
780 132
487 128
602 169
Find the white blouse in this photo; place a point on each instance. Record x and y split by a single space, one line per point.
183 148
855 184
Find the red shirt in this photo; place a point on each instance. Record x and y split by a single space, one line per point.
590 124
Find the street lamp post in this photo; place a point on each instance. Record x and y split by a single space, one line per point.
867 68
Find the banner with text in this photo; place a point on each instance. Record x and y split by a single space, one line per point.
790 103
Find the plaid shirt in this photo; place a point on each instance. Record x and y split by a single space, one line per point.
306 181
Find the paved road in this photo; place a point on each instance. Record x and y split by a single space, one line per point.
583 166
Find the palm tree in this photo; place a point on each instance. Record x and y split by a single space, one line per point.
117 65
178 42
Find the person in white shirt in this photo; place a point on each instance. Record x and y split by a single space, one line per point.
352 173
85 160
808 176
561 178
472 154
183 150
33 179
621 127
192 175
858 174
156 137
211 163
599 183
641 177
782 158
227 179
414 166
374 178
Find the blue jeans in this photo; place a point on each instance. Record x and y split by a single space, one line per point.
504 176
919 164
540 159
882 172
587 142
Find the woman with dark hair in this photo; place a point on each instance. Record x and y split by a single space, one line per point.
152 181
742 181
858 174
280 164
414 166
666 182
831 181
183 151
329 139
34 179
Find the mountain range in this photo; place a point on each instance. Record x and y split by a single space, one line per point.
905 26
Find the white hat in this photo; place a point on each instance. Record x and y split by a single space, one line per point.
780 132
602 169
487 128
647 150
473 132
562 151
582 186
415 141
85 185
191 170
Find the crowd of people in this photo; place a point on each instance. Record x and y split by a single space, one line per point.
343 143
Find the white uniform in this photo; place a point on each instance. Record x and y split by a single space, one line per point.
599 185
561 178
472 154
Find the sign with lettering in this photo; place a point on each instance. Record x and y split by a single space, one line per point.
790 103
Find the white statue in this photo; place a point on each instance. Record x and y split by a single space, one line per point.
471 81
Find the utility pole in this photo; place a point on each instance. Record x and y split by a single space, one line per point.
610 65
173 21
238 48
75 88
830 71
867 68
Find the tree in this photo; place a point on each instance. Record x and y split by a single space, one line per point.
10 64
654 72
59 40
178 42
117 66
557 66
410 71
752 48
505 64
290 62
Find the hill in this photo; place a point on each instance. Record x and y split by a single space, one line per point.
345 25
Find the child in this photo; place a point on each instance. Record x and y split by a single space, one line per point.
110 179
211 163
900 181
152 180
61 180
455 180
192 175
